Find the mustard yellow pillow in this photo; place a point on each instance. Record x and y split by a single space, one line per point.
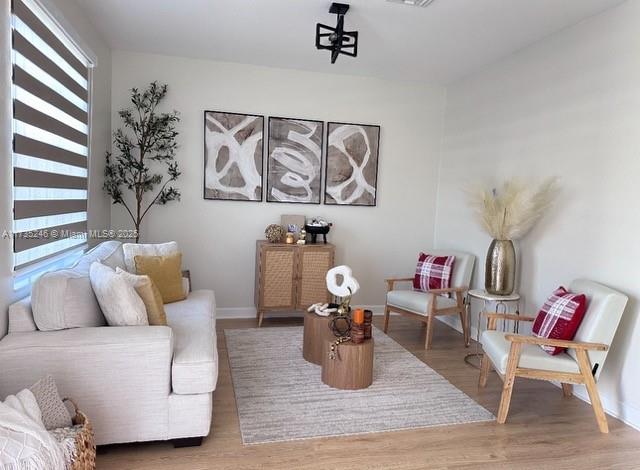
149 294
166 274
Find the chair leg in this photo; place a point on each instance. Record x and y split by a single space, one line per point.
592 389
387 314
509 379
465 329
567 390
427 342
485 367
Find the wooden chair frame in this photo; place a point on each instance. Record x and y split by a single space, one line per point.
567 379
432 310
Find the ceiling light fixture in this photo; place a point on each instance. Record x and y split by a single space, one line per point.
413 3
337 40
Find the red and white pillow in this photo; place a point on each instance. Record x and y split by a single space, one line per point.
560 317
433 272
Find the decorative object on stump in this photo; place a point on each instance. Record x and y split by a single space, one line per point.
318 226
323 310
508 214
274 233
152 139
368 319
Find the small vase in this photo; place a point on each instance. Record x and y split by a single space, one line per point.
500 268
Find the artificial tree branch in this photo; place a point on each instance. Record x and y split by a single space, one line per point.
154 140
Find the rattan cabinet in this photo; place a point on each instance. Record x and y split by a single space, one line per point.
291 277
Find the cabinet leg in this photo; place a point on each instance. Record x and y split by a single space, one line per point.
260 317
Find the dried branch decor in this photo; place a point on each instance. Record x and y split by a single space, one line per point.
511 211
152 138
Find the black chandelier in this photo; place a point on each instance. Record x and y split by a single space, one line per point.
337 40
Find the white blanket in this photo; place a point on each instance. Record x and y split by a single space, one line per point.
24 441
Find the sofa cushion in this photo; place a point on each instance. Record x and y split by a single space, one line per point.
416 301
532 356
119 301
195 356
165 273
131 250
149 294
108 253
64 299
21 316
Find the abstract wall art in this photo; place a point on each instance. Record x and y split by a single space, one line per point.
352 164
294 160
233 150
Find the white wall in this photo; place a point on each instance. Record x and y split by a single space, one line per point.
567 106
99 210
218 237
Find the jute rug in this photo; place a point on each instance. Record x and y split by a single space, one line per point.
280 396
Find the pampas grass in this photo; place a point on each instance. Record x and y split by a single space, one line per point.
509 212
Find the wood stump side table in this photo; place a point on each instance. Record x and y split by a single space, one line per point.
316 332
352 369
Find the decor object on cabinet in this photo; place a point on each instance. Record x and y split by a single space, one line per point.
294 160
514 355
337 40
302 238
274 233
425 306
292 223
152 138
318 226
506 215
352 164
233 149
291 277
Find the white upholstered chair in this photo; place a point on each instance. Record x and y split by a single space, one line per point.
424 306
521 356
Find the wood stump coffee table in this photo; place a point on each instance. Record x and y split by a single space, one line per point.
316 332
352 369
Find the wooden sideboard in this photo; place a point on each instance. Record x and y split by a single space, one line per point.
291 277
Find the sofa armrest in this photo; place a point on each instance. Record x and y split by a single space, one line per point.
21 316
90 360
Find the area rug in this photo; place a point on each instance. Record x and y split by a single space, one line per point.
280 396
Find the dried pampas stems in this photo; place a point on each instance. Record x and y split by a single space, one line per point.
509 212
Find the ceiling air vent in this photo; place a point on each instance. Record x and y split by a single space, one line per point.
413 3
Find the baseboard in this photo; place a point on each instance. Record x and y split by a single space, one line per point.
229 313
628 414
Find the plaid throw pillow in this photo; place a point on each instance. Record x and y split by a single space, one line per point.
433 272
560 317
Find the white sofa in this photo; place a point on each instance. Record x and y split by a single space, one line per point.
136 383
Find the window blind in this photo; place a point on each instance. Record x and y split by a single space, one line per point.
50 138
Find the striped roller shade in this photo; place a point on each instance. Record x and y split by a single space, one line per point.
50 137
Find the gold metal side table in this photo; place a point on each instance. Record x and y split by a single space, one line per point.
501 302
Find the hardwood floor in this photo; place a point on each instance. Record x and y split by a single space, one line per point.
544 430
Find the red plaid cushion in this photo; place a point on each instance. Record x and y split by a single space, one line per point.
560 317
433 272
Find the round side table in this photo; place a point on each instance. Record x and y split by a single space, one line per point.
316 331
501 302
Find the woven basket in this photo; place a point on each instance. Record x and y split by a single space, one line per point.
85 443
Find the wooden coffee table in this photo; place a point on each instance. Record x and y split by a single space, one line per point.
316 332
352 369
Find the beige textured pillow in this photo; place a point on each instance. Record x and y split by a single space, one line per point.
149 294
54 413
166 274
120 303
131 250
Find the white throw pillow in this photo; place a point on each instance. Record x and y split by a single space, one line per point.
108 253
131 250
120 303
64 299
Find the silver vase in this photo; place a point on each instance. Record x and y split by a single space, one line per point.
500 268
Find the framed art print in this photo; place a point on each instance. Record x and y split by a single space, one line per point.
294 160
233 151
352 164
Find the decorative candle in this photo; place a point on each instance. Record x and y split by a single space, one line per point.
358 316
